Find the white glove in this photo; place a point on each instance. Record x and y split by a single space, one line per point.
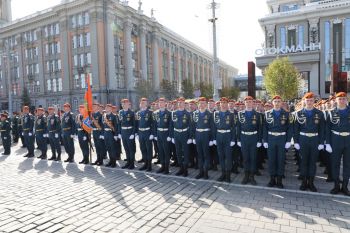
214 142
329 148
56 135
116 138
258 144
119 136
266 145
173 140
297 146
194 141
5 137
132 137
72 136
287 146
22 134
189 141
232 144
239 144
168 139
155 138
84 138
47 135
211 143
102 137
151 137
30 134
320 147
137 137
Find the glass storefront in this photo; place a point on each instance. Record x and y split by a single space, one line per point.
347 45
301 35
327 50
283 37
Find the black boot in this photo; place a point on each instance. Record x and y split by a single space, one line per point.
336 188
329 178
311 185
235 169
279 182
245 178
303 185
126 165
228 177
144 167
44 156
161 169
149 167
53 157
222 177
185 174
58 158
272 182
200 174
344 188
141 161
132 165
205 175
251 179
180 172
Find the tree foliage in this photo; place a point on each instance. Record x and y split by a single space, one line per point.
25 97
282 78
144 88
230 92
207 90
187 89
169 89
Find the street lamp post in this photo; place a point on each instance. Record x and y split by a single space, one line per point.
214 6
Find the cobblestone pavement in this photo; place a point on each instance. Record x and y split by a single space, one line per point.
44 196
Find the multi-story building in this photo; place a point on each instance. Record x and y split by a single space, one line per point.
52 52
314 34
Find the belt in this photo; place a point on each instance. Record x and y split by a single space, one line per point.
249 133
3 130
277 133
38 130
26 129
66 129
202 130
130 127
309 134
96 129
52 131
180 130
224 131
162 129
80 129
343 134
144 129
108 129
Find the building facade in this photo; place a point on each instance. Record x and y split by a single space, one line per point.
54 51
314 34
241 82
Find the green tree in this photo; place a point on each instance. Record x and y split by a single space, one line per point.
187 89
144 88
169 89
25 97
282 78
230 92
207 90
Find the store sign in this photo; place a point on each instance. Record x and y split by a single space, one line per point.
287 49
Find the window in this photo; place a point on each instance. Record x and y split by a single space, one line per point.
87 18
57 29
74 21
81 41
60 84
58 47
75 60
291 38
54 85
35 36
46 49
283 37
74 44
37 68
59 66
46 32
80 20
83 82
87 39
76 81
88 58
81 59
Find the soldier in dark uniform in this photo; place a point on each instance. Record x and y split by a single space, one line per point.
20 129
224 138
193 157
127 133
5 134
203 130
161 128
110 125
54 131
213 162
337 142
15 130
41 133
104 151
249 130
83 136
68 132
144 121
28 131
181 134
154 107
118 146
309 137
277 135
172 106
98 134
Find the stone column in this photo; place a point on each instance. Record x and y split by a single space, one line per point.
343 42
192 64
21 66
111 80
179 75
41 61
144 74
65 56
155 60
129 77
